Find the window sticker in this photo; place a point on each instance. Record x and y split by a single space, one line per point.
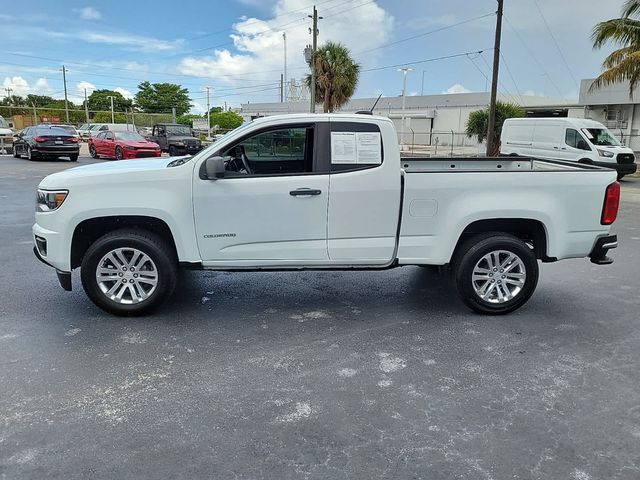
343 147
368 148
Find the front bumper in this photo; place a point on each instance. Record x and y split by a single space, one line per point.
130 154
63 277
188 149
623 168
598 254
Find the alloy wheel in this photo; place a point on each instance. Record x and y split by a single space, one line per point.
499 276
127 276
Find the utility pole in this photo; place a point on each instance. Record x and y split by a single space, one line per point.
9 90
284 38
422 84
208 115
173 114
113 118
66 100
35 114
86 106
494 81
314 33
281 88
404 71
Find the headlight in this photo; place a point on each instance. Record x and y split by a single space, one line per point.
49 200
606 153
129 147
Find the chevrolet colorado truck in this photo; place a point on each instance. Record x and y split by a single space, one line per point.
326 191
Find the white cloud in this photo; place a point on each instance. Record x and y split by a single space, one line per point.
457 88
258 54
21 87
132 42
124 92
81 86
90 13
432 21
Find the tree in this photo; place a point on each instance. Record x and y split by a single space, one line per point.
478 123
622 64
99 100
187 120
162 97
39 100
336 75
226 120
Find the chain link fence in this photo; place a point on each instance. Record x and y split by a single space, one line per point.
440 144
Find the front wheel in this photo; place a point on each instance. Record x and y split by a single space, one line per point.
129 272
172 151
92 151
495 273
119 154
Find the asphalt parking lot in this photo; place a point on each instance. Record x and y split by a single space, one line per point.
317 375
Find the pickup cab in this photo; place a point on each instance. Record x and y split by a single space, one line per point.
326 191
175 138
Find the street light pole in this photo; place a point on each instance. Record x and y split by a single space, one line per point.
86 105
66 101
284 38
422 84
113 118
9 90
494 82
208 116
404 71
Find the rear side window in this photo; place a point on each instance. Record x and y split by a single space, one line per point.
355 146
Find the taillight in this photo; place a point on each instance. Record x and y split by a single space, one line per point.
73 139
40 139
611 204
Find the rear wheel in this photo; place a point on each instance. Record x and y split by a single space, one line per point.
15 152
495 273
30 154
129 272
73 158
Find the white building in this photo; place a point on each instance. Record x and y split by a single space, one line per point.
613 107
429 119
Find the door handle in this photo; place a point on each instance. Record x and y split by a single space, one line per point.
556 148
300 192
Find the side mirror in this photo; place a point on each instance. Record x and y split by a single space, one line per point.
214 167
582 145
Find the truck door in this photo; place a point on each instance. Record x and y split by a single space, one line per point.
364 193
271 206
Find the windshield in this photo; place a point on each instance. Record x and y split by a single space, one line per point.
601 137
95 126
129 136
178 130
3 123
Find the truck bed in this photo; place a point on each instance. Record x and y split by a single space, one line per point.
412 164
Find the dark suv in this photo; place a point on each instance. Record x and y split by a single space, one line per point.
175 138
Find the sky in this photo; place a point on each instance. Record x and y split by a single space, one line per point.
236 47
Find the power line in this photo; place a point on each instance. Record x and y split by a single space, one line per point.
469 20
512 79
564 60
530 52
504 89
416 62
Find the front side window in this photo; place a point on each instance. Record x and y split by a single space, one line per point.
575 140
108 135
101 135
274 152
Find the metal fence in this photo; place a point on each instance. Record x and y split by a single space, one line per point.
441 144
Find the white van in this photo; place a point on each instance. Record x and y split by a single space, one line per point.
573 139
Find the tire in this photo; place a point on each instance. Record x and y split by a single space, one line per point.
30 155
119 154
73 158
477 253
93 152
621 176
172 151
15 153
160 263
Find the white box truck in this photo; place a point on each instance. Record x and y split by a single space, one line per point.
573 139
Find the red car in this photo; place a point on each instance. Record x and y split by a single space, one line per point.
121 145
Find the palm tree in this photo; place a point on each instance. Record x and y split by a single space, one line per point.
478 123
624 63
336 75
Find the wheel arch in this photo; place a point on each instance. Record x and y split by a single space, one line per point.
529 230
89 230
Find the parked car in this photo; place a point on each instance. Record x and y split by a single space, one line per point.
84 130
176 139
46 141
122 145
574 139
325 191
114 127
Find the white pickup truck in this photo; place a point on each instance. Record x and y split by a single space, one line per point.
320 192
